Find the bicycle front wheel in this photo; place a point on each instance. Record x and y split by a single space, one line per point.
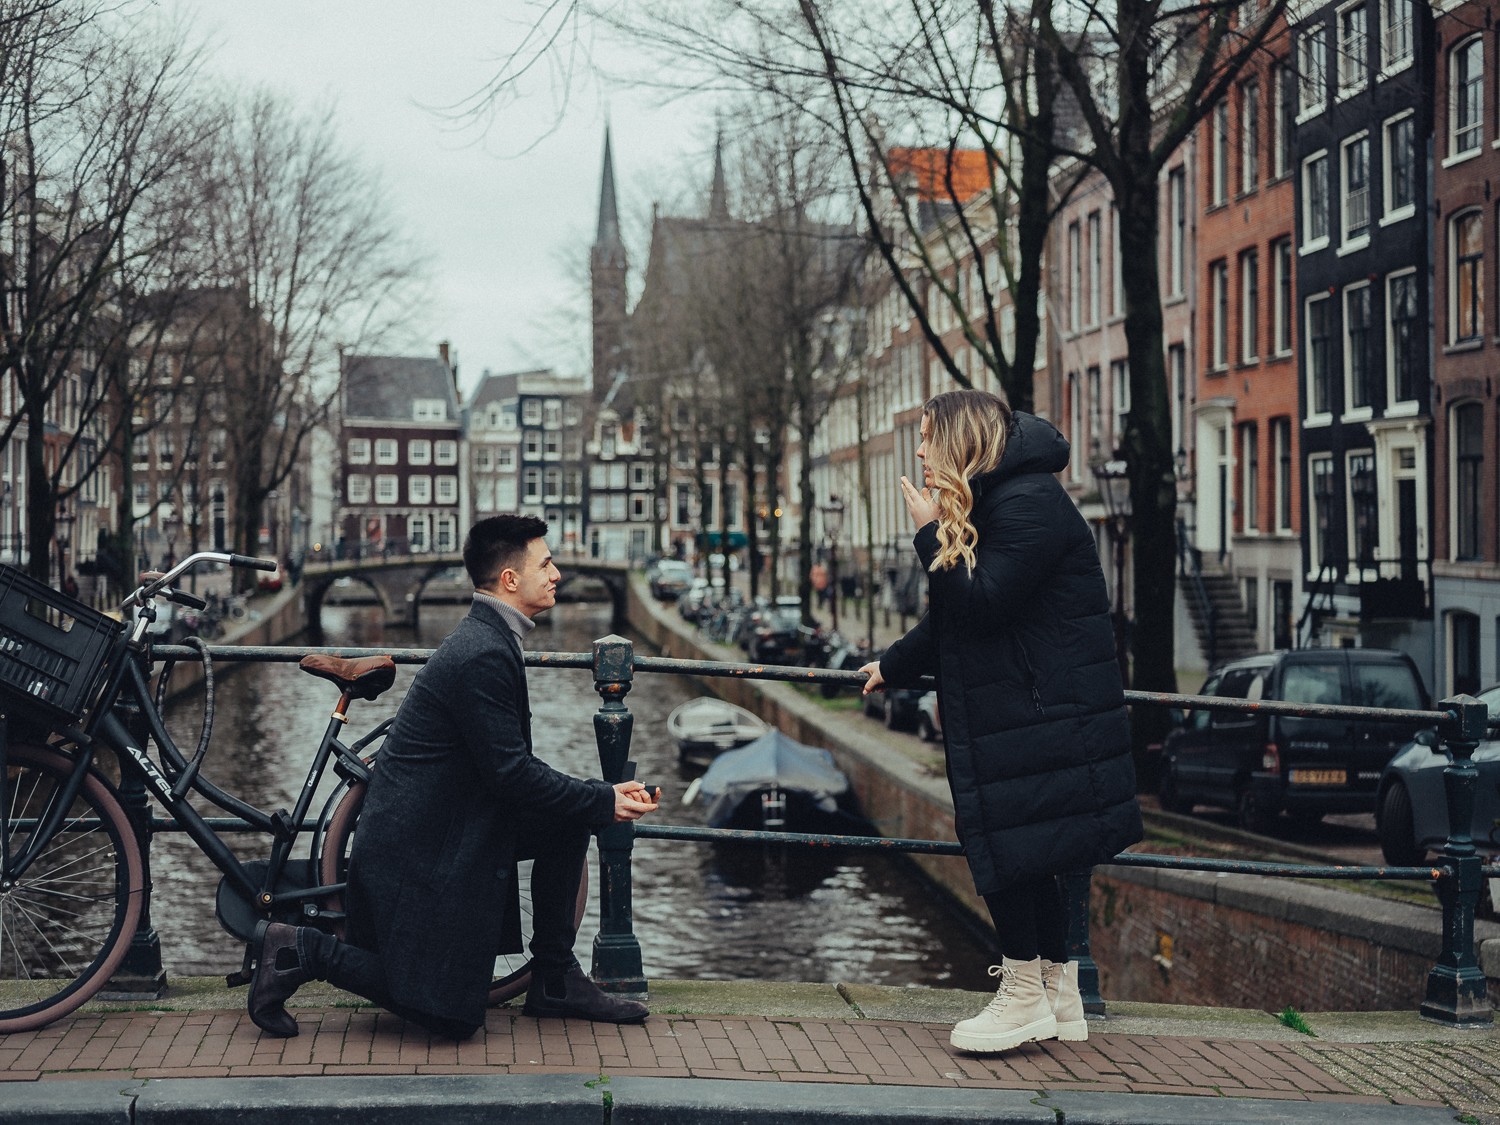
67 916
512 970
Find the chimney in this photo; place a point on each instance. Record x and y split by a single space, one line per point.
443 353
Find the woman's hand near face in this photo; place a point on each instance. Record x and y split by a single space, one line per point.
920 502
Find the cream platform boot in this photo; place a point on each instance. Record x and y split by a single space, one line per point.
1061 981
1019 1013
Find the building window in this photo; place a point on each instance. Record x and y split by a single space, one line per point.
1312 69
359 451
1354 50
531 444
1364 527
1249 479
1096 265
1463 653
1400 166
1281 320
1356 209
419 451
359 489
428 410
1219 173
1318 374
1218 285
1358 378
1320 477
1281 449
1177 372
1468 480
387 488
1395 33
1466 96
445 452
505 459
531 486
1249 306
551 485
1249 136
1281 124
419 490
1177 250
1075 264
1119 388
1096 410
531 412
1466 235
1117 272
385 451
1315 201
446 490
1403 337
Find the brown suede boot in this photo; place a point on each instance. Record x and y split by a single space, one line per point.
278 974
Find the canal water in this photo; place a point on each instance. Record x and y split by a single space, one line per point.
701 911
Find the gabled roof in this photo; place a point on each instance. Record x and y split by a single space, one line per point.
383 387
929 169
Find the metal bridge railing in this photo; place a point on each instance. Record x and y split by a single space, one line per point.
1456 991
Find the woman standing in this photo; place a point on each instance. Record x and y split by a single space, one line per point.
1037 742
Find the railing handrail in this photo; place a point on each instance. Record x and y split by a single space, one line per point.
1456 987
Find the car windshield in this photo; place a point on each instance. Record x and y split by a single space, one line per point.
1387 685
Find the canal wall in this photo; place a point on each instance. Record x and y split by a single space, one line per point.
1169 936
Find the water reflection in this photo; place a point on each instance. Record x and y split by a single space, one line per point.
701 911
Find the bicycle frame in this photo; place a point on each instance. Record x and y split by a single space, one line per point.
127 693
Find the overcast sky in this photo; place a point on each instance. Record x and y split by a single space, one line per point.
505 215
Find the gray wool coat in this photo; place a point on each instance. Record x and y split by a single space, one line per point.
432 868
1036 739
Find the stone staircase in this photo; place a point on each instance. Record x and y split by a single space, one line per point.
1231 634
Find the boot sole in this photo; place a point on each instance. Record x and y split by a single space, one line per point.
1072 1031
981 1044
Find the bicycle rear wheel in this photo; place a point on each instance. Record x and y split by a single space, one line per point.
67 920
512 970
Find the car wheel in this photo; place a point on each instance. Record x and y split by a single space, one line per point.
1397 830
1170 796
1253 814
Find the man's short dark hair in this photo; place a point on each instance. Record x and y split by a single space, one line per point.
499 543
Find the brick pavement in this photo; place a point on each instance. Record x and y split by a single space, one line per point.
361 1041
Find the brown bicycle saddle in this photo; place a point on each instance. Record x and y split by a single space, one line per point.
364 677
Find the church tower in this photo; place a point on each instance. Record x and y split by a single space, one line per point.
607 265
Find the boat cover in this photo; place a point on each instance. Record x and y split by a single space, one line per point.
772 759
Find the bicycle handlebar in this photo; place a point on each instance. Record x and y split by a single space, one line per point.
161 583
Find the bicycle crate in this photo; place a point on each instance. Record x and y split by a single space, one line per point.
53 648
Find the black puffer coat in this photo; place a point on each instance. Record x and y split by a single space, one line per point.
1034 724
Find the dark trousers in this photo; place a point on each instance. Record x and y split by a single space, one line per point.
557 853
1030 920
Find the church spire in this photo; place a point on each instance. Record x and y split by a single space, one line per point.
718 193
608 236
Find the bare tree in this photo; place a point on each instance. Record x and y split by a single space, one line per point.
300 234
99 130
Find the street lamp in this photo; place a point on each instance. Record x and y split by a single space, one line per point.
64 534
171 524
833 527
1114 492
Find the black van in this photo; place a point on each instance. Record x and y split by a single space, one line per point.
1262 765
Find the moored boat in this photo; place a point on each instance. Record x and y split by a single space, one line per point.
776 783
706 727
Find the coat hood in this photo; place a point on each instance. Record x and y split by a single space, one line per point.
1033 446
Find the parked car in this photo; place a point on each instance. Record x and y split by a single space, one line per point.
1261 765
270 581
929 718
670 579
776 635
1411 813
896 707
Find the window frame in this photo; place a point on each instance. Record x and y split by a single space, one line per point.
1465 137
1312 70
1393 396
1466 544
1315 203
1250 305
419 451
1249 135
1362 292
357 451
1350 236
1324 302
1353 72
1458 264
1218 313
1284 297
1389 149
387 451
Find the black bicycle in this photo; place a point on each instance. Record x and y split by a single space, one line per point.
75 687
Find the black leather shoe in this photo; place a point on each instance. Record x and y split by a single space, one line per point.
581 998
270 987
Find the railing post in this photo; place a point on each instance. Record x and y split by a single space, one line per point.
1077 886
140 975
617 952
1456 988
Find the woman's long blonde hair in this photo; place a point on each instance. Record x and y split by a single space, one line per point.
966 432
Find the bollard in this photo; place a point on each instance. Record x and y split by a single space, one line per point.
140 975
617 952
1077 886
1456 988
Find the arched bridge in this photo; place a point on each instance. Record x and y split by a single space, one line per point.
398 581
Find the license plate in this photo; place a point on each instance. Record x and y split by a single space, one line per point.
1320 777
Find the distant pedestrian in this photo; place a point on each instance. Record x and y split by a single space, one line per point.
70 586
1017 632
